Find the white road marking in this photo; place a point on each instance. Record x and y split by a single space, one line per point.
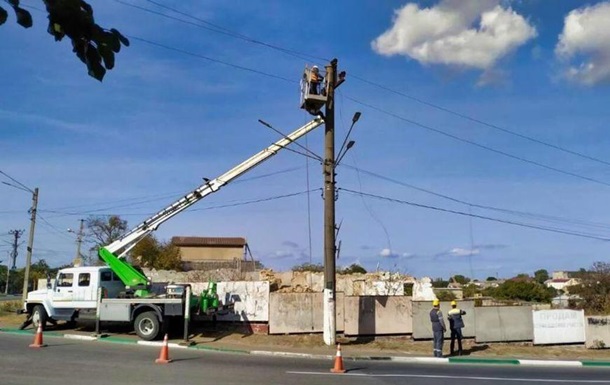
475 378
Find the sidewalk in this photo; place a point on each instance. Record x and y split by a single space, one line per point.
398 349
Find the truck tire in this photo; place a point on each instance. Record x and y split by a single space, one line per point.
39 316
147 325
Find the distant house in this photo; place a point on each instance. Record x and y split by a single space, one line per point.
208 253
562 284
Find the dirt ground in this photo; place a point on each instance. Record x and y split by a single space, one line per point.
238 336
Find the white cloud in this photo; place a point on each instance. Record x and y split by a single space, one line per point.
585 44
387 253
460 252
473 34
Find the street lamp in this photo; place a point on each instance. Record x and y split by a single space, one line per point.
28 259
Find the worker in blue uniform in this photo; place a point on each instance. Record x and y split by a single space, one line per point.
456 323
438 327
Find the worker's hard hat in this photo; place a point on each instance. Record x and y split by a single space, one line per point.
314 67
436 302
453 303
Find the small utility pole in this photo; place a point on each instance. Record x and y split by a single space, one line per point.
8 272
16 235
79 241
28 257
330 316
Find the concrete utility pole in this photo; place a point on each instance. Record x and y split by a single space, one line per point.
330 315
79 240
8 272
16 235
28 258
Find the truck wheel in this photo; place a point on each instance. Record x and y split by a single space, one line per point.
39 316
147 325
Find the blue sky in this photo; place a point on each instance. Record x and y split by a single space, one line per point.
163 119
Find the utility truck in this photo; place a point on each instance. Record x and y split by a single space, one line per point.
119 292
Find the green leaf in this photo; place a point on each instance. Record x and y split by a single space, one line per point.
3 15
24 18
14 3
122 38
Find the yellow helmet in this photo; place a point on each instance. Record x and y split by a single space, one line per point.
453 303
436 302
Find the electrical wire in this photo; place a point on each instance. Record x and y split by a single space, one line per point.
543 217
303 55
473 143
548 229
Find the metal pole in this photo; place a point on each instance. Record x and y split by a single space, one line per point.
330 322
98 310
28 258
187 313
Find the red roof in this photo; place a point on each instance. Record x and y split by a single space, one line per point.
209 241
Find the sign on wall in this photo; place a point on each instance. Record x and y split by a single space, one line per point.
558 326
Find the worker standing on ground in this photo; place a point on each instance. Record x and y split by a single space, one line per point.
438 327
456 323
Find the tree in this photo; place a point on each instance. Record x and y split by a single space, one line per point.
462 280
94 45
469 291
489 279
354 268
149 252
445 295
541 276
439 282
521 289
106 230
594 289
313 267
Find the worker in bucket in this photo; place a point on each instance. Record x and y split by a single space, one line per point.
315 79
456 323
438 327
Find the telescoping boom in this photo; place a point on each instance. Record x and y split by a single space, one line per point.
135 280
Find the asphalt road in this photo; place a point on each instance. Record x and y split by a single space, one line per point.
67 361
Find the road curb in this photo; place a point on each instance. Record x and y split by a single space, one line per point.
401 359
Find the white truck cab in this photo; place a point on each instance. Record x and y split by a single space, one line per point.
75 289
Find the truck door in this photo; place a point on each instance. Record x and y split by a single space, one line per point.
63 295
83 290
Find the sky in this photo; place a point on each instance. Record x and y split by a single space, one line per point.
482 148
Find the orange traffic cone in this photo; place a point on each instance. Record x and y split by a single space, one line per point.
38 338
338 362
164 355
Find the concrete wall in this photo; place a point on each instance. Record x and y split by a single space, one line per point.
251 299
597 331
422 328
502 324
376 315
300 312
560 326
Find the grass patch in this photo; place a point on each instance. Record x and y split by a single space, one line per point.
9 307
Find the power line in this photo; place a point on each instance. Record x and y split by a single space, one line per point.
438 131
482 146
543 217
216 28
482 122
302 55
549 229
199 56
